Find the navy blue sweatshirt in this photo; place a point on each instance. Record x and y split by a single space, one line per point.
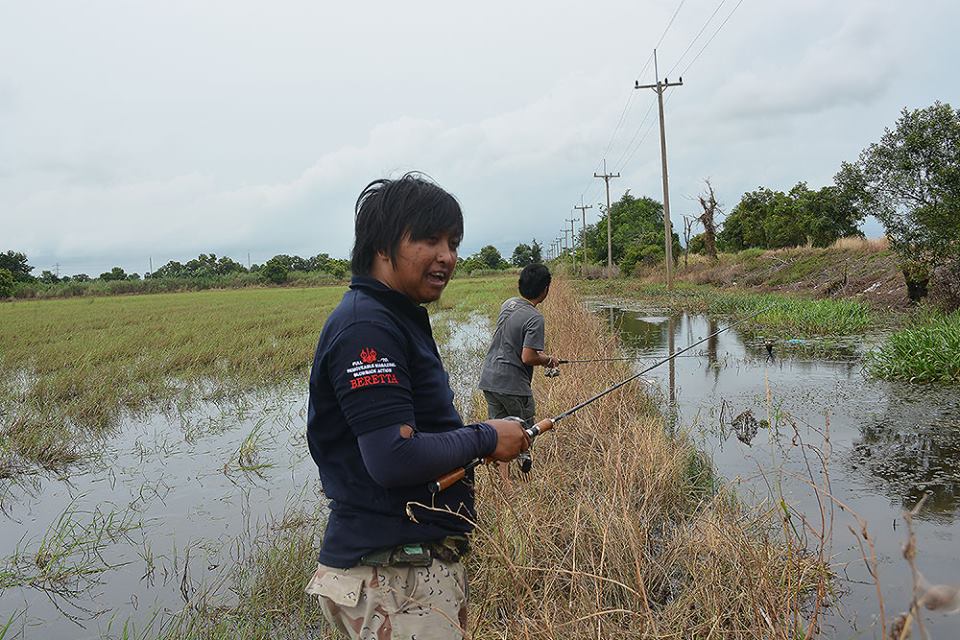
376 368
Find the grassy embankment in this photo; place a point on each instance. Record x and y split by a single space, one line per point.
851 268
787 315
622 530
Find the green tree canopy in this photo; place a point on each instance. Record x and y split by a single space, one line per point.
16 264
525 254
6 283
117 273
910 180
769 219
491 258
637 233
276 269
48 277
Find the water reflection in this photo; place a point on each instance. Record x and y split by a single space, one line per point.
891 443
911 448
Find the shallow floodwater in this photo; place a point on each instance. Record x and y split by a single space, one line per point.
889 445
162 513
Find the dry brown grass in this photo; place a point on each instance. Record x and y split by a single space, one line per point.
621 531
873 245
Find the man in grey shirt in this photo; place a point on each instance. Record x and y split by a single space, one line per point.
517 347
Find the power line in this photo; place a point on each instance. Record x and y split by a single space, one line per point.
620 163
729 15
695 38
664 34
629 100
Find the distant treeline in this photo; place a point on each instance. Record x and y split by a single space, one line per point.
207 271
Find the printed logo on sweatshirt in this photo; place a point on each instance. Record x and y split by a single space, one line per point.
370 370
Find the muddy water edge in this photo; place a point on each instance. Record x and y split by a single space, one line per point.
885 445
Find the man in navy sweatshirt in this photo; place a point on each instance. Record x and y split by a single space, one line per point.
382 424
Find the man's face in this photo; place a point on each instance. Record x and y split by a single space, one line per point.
423 267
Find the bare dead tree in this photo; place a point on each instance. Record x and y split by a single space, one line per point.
708 202
688 222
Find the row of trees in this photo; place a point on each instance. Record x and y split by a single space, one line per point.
769 219
16 272
490 258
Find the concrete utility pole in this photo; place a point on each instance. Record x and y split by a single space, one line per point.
606 178
660 87
573 242
583 238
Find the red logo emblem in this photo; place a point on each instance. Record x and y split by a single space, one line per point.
368 356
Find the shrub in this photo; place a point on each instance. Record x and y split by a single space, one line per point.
6 283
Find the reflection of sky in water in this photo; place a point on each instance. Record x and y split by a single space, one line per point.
890 442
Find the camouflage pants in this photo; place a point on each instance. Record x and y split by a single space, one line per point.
394 603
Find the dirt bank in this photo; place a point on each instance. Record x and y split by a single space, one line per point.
853 268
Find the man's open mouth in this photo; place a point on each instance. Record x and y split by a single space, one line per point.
437 277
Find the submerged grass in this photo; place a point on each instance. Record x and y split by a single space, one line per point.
265 591
69 369
926 351
68 557
787 314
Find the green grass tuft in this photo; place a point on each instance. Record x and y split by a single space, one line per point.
926 351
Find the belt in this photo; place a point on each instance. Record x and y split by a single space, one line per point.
449 549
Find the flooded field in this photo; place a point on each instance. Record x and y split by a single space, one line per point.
170 508
889 445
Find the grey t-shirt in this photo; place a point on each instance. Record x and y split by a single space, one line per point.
519 325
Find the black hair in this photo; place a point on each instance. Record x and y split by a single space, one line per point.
534 280
389 210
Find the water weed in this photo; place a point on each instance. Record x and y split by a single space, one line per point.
788 316
926 351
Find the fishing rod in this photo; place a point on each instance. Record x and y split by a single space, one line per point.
631 358
546 424
555 371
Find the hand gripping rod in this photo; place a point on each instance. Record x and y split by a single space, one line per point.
546 424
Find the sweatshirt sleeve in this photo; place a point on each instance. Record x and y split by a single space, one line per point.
394 461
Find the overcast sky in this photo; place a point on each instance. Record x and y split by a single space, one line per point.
138 130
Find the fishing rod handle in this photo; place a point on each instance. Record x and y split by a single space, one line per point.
544 425
449 479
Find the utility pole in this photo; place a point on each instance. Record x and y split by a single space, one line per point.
606 178
583 238
660 87
573 242
151 265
